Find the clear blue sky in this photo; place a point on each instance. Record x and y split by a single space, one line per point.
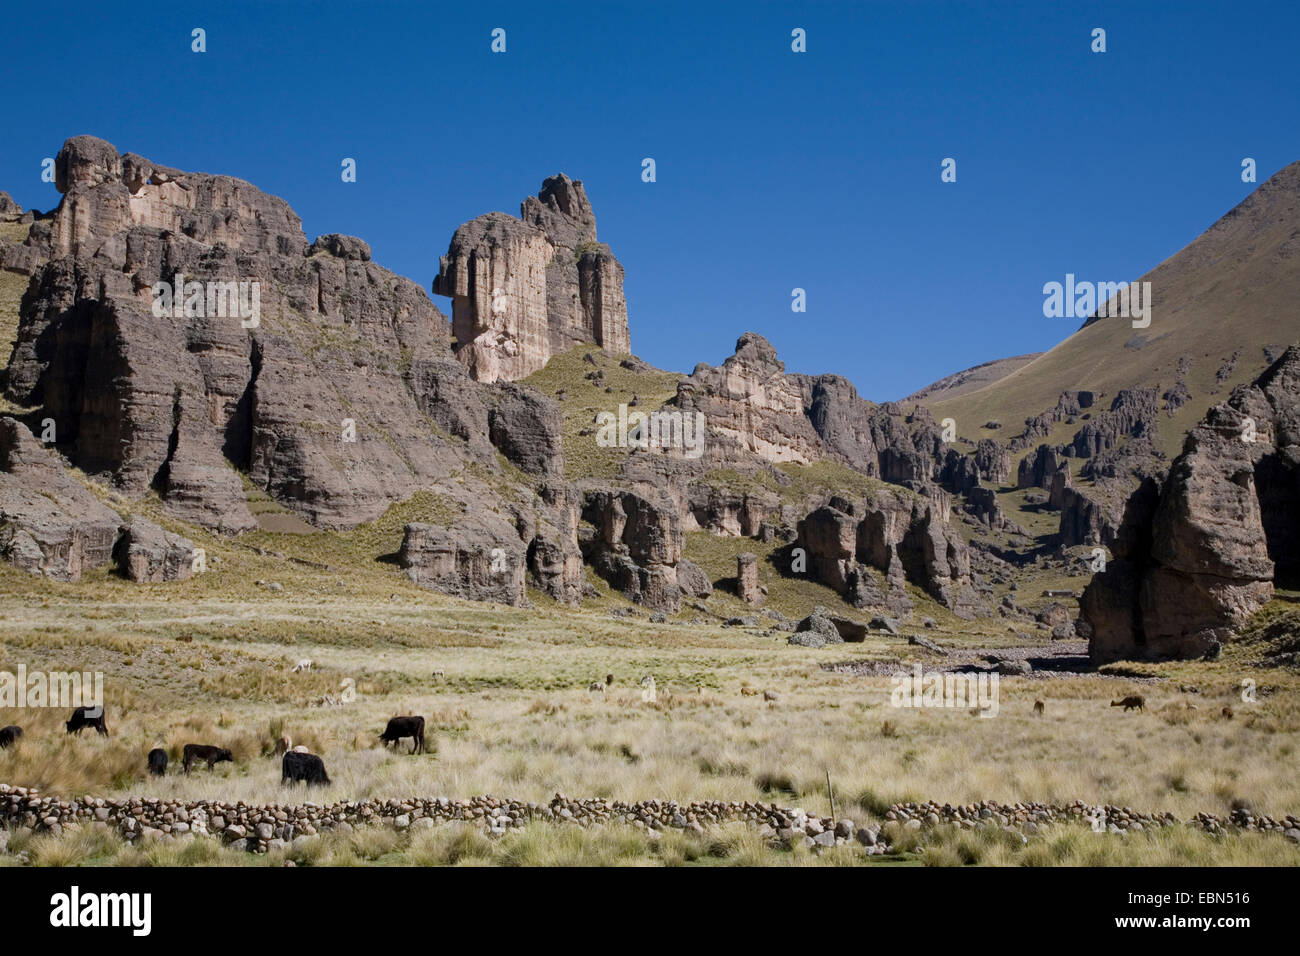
775 169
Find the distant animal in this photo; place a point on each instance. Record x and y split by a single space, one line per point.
9 736
648 694
1038 707
438 672
158 762
609 680
283 746
196 753
186 638
1130 702
748 692
81 718
303 666
1227 712
596 687
308 768
400 727
769 695
300 749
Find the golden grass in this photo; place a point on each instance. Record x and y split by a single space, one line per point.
539 844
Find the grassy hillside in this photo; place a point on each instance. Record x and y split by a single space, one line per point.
1233 291
583 399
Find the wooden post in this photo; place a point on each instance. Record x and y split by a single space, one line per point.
831 790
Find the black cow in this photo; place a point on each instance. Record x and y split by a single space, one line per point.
9 736
158 762
194 753
305 767
81 719
399 727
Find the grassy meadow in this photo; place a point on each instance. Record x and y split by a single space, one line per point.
504 691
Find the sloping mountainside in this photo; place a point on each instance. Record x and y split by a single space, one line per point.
971 379
1224 308
189 377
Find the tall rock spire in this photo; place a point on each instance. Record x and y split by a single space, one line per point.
524 289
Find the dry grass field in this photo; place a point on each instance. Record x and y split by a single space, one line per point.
504 691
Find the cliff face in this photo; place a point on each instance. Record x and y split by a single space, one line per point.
301 376
1199 555
186 339
524 289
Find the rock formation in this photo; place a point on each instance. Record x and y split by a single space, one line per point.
747 579
1196 557
905 536
149 555
524 289
480 559
692 579
50 524
752 407
636 545
1133 414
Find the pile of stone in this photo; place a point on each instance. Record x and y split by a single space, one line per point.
278 826
1026 818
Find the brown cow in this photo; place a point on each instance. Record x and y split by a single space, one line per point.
194 753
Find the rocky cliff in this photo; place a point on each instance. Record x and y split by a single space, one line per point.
525 289
1198 555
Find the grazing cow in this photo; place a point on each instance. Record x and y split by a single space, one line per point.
81 718
158 762
1038 707
399 727
769 695
305 767
1130 702
748 692
648 693
9 736
596 687
303 666
195 753
1227 712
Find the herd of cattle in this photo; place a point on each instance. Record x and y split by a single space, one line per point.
296 764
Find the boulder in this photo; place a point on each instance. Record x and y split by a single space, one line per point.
692 579
147 554
816 630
